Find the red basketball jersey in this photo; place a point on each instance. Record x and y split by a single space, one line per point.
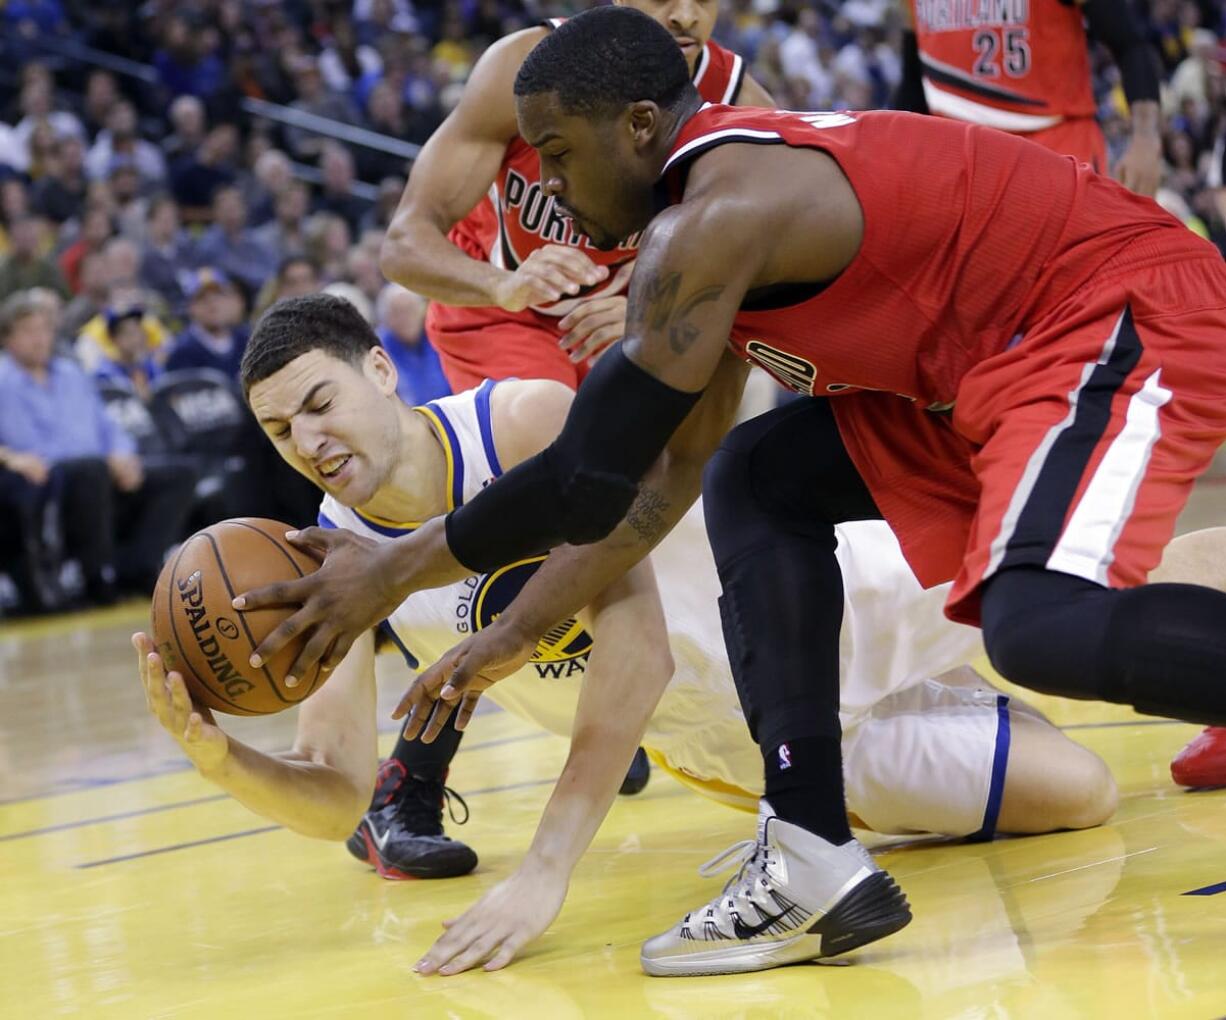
517 217
969 234
972 239
1016 65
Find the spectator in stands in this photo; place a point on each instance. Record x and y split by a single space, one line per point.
14 200
271 174
230 245
96 229
344 60
336 195
196 176
385 113
118 518
120 139
401 316
130 206
187 62
94 276
166 250
101 95
314 98
59 194
362 270
25 265
188 127
37 105
283 235
327 241
296 275
94 343
376 19
211 339
133 363
379 215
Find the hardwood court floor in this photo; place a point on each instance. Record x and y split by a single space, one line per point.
130 888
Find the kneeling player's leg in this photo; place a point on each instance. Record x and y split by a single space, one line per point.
956 757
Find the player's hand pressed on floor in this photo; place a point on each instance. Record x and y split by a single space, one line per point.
192 726
495 928
548 275
350 593
592 326
460 677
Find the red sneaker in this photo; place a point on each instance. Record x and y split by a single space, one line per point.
1203 762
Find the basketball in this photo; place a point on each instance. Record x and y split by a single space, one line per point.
199 634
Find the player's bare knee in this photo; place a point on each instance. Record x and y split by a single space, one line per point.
1094 798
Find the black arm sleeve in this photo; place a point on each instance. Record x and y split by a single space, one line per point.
910 92
578 489
1113 23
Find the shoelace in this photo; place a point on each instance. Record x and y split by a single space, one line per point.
737 893
422 800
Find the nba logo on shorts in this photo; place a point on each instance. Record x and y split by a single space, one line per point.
785 757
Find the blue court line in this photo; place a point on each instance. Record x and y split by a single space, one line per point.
1209 890
272 828
113 818
169 768
179 846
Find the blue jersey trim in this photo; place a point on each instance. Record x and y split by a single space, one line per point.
457 479
486 424
1000 766
409 657
325 521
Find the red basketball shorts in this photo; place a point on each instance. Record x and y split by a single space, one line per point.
475 344
1089 432
1080 137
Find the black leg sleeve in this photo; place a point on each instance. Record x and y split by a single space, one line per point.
1160 648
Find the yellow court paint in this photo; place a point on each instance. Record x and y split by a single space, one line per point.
101 916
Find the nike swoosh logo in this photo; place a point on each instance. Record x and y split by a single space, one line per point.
380 841
748 931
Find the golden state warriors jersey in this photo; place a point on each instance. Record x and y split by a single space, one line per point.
894 633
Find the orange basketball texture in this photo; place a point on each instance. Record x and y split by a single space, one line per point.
200 635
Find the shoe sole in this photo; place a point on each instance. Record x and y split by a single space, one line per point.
874 909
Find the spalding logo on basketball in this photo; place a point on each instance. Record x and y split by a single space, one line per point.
200 635
568 640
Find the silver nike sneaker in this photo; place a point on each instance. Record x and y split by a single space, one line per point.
794 897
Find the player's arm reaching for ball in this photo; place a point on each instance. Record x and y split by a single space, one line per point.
629 667
453 173
322 785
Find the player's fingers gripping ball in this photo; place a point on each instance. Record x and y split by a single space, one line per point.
200 635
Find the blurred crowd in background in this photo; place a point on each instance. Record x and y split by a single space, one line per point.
164 178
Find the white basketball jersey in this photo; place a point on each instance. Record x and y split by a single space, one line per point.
894 633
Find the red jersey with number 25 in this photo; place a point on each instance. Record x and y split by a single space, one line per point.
517 217
1016 65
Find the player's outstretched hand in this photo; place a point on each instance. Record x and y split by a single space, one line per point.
548 275
1140 168
192 726
495 928
459 678
350 593
592 326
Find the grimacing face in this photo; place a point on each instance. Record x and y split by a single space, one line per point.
690 22
333 422
593 166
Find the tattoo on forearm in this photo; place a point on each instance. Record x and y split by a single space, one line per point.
646 515
662 311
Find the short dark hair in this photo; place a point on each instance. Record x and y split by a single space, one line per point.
295 326
605 58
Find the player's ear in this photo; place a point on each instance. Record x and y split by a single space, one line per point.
644 122
381 370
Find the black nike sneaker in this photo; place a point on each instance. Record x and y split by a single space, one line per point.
636 775
401 836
